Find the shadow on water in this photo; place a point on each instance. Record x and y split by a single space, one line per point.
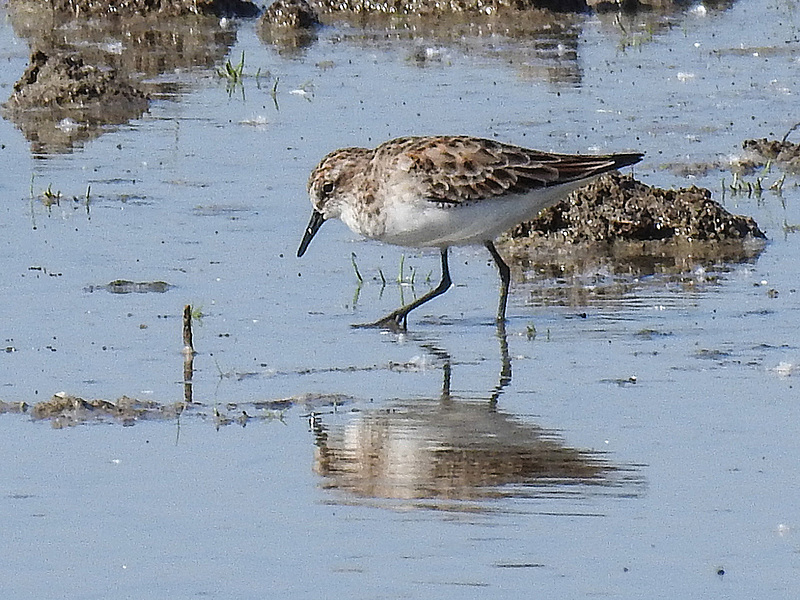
446 452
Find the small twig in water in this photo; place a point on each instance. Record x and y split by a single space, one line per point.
355 267
274 93
188 345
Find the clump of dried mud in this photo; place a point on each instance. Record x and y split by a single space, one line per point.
167 8
605 237
64 81
290 14
60 99
80 83
620 208
785 155
66 410
289 24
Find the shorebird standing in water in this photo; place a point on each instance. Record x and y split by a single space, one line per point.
442 191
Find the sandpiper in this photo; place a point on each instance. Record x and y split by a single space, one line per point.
442 191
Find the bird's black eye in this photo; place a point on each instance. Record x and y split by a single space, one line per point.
327 188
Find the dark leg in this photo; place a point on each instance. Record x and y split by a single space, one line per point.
396 321
505 364
505 280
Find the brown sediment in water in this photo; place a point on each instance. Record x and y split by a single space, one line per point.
99 72
167 8
605 237
785 155
125 286
619 208
60 99
289 24
68 410
64 82
65 410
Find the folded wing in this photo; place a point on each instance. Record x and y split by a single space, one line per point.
460 168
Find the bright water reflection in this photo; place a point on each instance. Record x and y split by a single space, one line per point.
440 452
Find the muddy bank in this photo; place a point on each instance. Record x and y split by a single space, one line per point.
87 75
604 238
618 208
783 154
61 100
122 8
490 7
68 410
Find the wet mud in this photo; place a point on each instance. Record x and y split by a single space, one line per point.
289 24
567 479
79 82
68 410
62 92
122 8
93 62
125 286
86 76
620 208
290 14
605 237
485 7
783 154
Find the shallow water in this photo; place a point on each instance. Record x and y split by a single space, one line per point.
645 444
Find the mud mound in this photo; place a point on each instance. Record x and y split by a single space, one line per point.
66 409
418 7
785 154
608 237
289 24
65 81
60 100
171 8
290 14
619 208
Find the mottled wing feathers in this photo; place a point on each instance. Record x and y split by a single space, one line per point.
458 169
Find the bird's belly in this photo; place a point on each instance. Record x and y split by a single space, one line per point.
427 224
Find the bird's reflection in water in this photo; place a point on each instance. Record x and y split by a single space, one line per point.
441 451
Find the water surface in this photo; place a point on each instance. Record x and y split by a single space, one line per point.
644 444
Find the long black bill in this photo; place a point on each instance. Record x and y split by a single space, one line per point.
313 226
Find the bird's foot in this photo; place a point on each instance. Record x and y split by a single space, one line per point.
396 322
